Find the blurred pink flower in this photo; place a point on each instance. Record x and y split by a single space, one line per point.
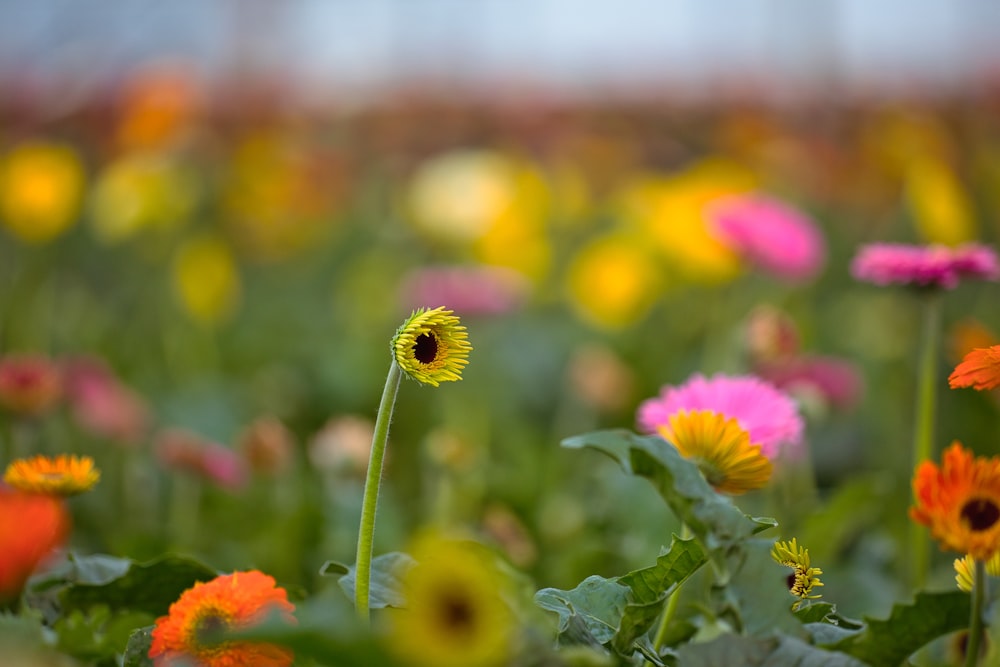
770 416
837 382
101 404
779 239
470 290
186 451
926 266
30 384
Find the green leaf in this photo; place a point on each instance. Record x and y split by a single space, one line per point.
712 517
595 607
649 589
618 613
120 584
738 651
386 588
137 649
887 643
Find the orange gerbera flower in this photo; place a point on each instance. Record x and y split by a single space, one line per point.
980 369
228 602
960 502
31 527
64 475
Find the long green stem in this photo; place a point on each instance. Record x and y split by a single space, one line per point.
976 617
366 533
923 430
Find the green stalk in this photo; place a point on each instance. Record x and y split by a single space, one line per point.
366 532
923 431
976 618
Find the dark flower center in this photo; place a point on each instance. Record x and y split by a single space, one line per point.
209 628
980 513
457 614
790 581
425 348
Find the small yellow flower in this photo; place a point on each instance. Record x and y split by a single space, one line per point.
41 187
455 612
965 570
206 279
804 578
64 475
720 448
432 346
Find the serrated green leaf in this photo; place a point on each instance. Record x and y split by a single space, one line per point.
386 588
887 643
649 589
137 649
738 651
332 568
710 516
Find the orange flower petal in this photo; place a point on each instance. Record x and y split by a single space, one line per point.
980 369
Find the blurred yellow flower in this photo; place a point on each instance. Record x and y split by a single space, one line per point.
63 475
141 191
671 211
41 185
456 196
455 613
614 281
279 196
941 208
496 203
965 570
206 279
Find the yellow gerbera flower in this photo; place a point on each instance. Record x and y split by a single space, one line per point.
455 613
64 475
805 578
432 346
965 570
720 448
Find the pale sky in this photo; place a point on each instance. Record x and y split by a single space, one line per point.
575 44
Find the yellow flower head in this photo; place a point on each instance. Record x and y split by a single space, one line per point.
432 346
720 448
455 613
805 578
614 280
64 475
206 279
965 570
41 186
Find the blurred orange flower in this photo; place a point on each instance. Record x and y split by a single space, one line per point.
228 602
64 475
31 527
980 369
41 186
960 501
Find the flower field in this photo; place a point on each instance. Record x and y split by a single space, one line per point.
442 381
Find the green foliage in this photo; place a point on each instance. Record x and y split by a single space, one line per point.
887 643
386 585
735 651
137 649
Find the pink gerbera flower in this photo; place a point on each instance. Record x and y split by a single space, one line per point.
771 234
925 266
770 417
